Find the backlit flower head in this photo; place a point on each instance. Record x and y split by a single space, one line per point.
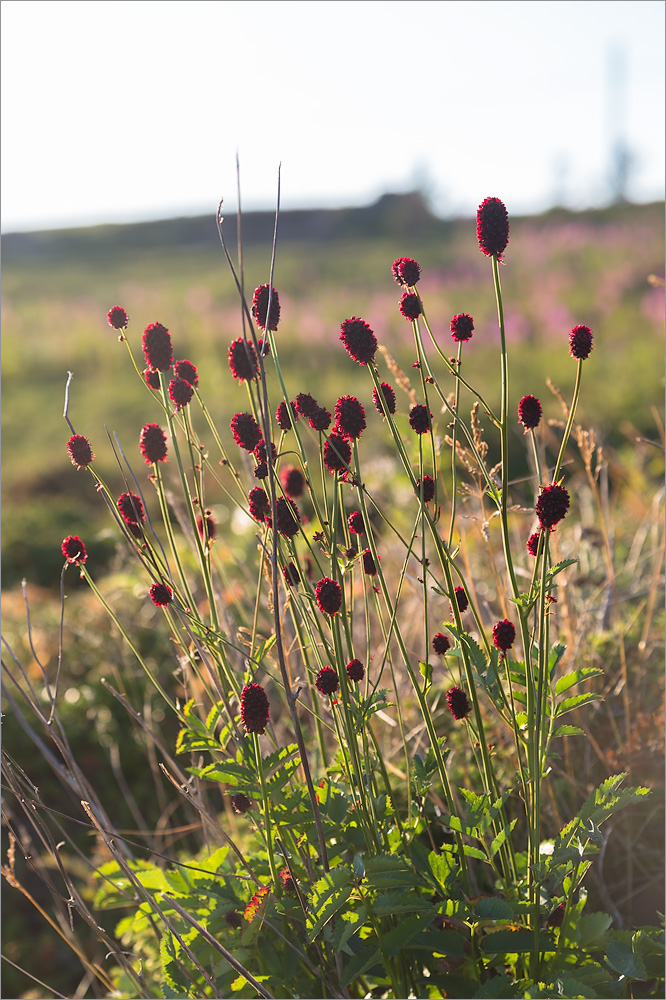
337 453
419 418
369 567
291 575
457 703
329 596
386 401
206 526
117 318
157 347
580 342
441 643
286 414
80 451
428 486
153 444
152 378
180 392
504 634
552 505
288 517
255 711
246 431
74 550
462 326
355 671
409 305
349 417
359 340
305 404
461 600
186 370
260 308
533 543
161 595
243 360
320 420
260 507
293 481
492 227
406 271
327 681
240 803
355 522
529 412
131 508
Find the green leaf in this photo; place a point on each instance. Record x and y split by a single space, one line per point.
567 731
576 677
558 567
495 988
401 902
501 837
346 925
398 938
386 871
426 671
265 647
357 965
476 807
327 896
576 702
592 926
571 986
233 774
621 957
442 866
494 908
174 977
513 941
474 852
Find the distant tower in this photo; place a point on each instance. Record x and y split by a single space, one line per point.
621 159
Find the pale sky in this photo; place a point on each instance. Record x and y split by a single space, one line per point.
135 109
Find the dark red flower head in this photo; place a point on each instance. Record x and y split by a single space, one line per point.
293 481
580 342
260 308
462 326
153 444
492 227
187 371
206 526
327 681
385 401
529 412
320 420
355 522
161 595
243 360
419 418
350 417
180 392
291 575
409 305
261 454
74 550
246 431
255 711
428 487
240 803
329 596
359 340
552 505
406 271
131 508
337 453
288 517
461 599
285 413
355 671
457 703
504 634
305 404
80 451
441 643
369 567
260 507
117 318
233 917
157 347
152 378
533 543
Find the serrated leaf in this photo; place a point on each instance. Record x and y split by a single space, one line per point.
576 677
577 701
501 837
474 852
398 938
326 897
359 963
494 908
622 958
233 774
174 977
386 871
592 926
346 925
567 731
273 760
571 986
558 567
495 988
401 902
516 941
442 867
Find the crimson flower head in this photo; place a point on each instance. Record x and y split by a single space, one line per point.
260 507
409 305
80 451
359 340
117 318
441 643
187 371
327 681
349 417
306 405
291 575
206 526
461 600
320 420
406 271
152 443
462 326
240 804
337 453
152 378
288 517
180 392
285 413
492 227
369 567
529 412
260 308
355 671
504 634
428 486
161 595
157 347
355 522
293 481
552 505
419 418
255 711
457 703
533 543
580 342
246 431
243 360
74 550
131 508
329 596
386 401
